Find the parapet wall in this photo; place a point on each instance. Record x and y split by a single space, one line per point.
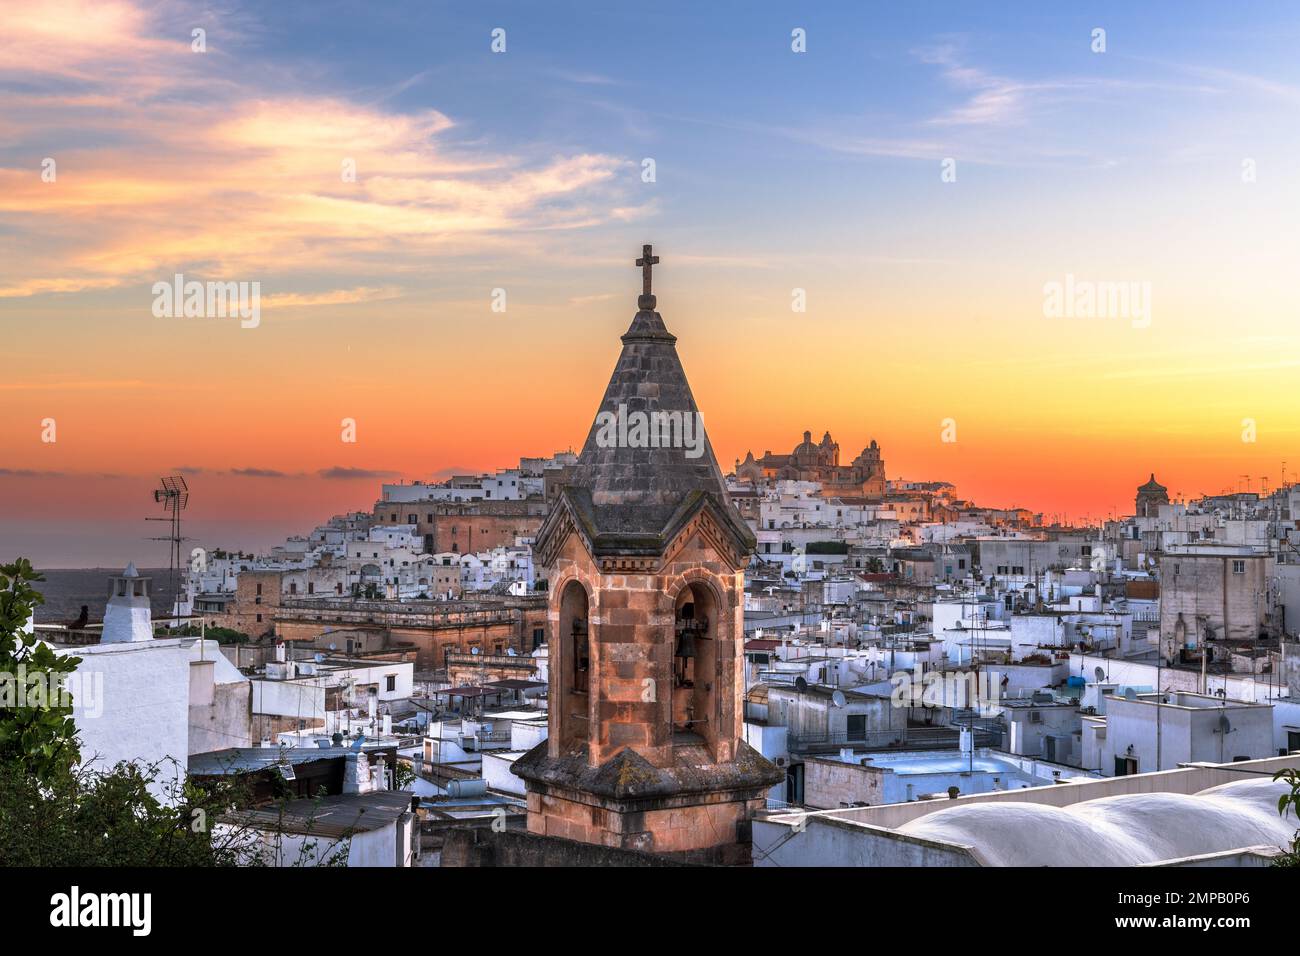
466 846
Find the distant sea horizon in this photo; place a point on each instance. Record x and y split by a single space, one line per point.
67 589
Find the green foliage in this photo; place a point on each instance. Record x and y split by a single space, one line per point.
37 732
403 776
1290 801
78 818
222 635
113 818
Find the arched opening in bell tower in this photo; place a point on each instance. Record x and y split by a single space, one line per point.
573 643
696 620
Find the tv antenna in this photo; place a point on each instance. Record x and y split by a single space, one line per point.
174 496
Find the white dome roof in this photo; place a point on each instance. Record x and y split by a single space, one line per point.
1123 830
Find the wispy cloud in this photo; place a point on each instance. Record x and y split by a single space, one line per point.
585 79
992 99
43 473
235 182
30 473
333 297
340 473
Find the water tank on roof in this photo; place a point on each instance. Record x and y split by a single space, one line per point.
476 787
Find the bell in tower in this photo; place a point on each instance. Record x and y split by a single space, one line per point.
684 653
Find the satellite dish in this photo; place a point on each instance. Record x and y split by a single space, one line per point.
837 699
510 652
800 685
1225 725
1130 693
473 650
1099 673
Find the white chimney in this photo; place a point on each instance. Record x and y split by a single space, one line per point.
128 617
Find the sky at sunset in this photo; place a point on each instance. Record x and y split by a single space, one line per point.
1171 159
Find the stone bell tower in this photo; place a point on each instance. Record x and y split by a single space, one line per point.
645 555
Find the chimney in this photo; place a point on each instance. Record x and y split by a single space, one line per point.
128 617
354 774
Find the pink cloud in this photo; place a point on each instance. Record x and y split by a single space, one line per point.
248 182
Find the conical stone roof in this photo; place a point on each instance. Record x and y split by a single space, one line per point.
647 464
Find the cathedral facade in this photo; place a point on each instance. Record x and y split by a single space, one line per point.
820 462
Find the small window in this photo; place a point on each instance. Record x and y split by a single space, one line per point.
390 682
1238 567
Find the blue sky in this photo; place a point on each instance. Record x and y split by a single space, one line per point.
775 171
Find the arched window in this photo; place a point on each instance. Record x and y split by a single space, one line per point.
572 648
695 665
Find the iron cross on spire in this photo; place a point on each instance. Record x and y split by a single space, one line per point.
646 262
